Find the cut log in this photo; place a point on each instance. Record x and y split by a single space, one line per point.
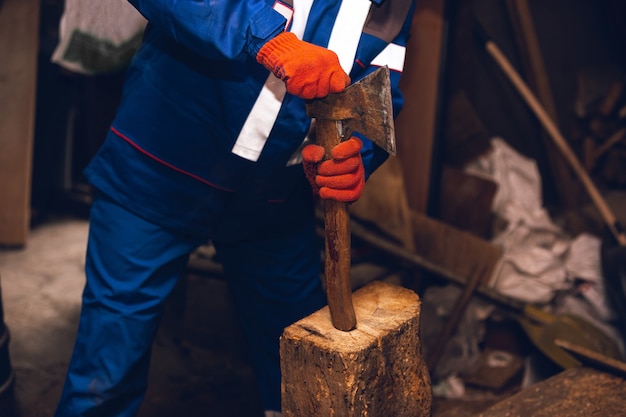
576 392
376 370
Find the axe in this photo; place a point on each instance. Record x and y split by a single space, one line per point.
363 107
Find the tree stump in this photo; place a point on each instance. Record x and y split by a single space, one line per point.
376 370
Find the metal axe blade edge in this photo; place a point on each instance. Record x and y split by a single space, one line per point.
365 107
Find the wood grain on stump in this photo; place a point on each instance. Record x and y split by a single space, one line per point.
376 370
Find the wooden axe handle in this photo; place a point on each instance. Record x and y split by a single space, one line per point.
337 242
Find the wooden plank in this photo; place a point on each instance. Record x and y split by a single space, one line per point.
416 126
19 43
566 185
576 392
376 370
454 250
464 135
384 203
592 358
466 202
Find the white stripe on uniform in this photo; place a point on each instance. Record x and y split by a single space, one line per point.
262 117
392 56
344 40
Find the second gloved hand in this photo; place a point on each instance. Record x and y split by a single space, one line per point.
341 178
309 71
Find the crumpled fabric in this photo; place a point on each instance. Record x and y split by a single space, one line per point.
539 259
532 267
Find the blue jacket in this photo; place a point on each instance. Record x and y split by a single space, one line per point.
201 123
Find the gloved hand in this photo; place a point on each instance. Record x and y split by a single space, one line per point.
341 178
308 70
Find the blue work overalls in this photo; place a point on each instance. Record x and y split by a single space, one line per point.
205 146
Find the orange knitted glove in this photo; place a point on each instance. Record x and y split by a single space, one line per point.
341 178
308 70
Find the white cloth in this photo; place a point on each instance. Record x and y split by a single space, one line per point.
531 268
98 36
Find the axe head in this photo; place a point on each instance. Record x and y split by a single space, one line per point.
363 107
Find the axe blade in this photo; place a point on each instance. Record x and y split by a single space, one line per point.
364 107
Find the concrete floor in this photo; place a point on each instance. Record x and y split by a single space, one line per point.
199 365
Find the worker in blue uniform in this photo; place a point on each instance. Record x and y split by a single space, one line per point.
211 143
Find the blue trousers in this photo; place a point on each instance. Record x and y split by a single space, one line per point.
132 266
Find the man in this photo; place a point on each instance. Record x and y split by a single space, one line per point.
208 144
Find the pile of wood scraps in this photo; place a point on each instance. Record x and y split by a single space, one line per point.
425 245
601 131
513 332
460 252
456 246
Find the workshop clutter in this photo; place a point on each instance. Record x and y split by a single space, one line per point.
541 265
98 37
